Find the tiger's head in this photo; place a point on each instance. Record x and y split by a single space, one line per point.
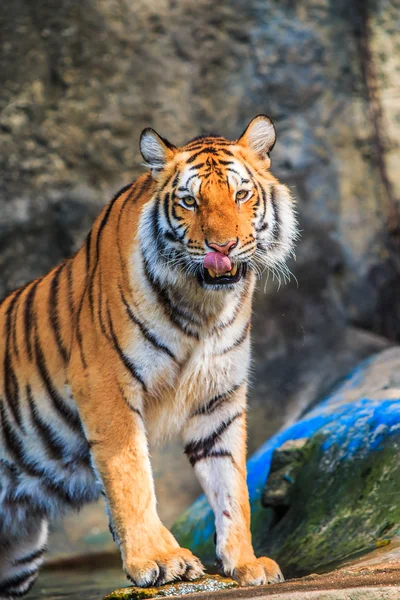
218 212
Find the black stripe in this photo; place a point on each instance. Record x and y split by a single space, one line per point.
126 361
264 199
184 311
11 387
217 144
236 312
79 339
208 150
217 401
175 214
202 448
105 219
243 246
201 146
9 586
171 237
248 169
260 196
16 448
100 230
227 152
29 316
30 557
14 322
213 454
70 417
276 214
11 308
49 437
132 195
233 171
191 177
166 210
100 311
129 405
157 233
70 289
11 391
88 251
239 341
208 139
53 312
162 297
166 183
173 234
150 337
198 166
250 173
176 179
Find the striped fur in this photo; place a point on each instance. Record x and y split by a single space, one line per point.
128 342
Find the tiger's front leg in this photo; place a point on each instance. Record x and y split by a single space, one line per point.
114 425
215 439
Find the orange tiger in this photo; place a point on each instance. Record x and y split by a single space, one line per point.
144 333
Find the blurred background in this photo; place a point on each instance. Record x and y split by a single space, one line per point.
80 80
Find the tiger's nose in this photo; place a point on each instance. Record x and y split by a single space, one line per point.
225 248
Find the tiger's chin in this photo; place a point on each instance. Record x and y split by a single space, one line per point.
210 280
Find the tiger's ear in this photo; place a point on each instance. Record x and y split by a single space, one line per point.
259 136
156 151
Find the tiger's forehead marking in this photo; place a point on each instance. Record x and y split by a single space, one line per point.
211 166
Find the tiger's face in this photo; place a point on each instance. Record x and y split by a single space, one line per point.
219 211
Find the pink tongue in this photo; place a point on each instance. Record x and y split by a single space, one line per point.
217 262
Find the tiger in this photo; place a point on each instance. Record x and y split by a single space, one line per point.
141 335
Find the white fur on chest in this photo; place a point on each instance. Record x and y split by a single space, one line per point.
206 374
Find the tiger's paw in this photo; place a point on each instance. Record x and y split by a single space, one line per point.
175 565
258 571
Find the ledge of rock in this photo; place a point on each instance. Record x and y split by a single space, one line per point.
207 585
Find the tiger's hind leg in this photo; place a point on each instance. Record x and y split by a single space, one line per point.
21 558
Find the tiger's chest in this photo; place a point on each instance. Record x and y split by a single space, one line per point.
207 367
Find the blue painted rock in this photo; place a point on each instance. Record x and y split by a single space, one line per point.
328 486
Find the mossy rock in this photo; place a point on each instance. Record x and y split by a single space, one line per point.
327 487
207 585
337 508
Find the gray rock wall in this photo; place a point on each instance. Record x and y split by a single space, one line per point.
81 79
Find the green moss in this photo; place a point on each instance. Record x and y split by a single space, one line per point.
208 584
338 507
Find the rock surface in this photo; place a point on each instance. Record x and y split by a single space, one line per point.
334 478
359 581
209 584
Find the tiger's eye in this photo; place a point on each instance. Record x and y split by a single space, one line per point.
189 201
241 194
